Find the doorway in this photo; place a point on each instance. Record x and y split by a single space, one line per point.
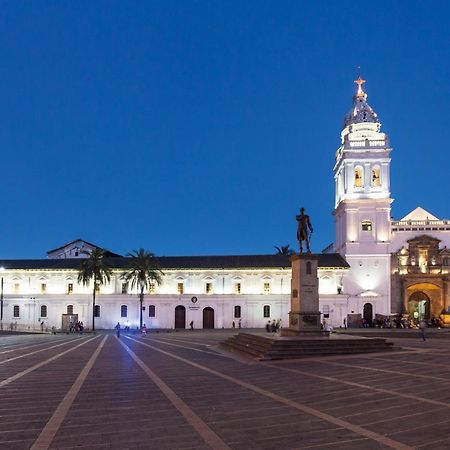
368 313
208 317
419 306
180 317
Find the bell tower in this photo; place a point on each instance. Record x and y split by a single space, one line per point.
363 201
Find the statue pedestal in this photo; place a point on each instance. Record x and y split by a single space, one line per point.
304 317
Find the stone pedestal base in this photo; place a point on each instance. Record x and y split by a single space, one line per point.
304 324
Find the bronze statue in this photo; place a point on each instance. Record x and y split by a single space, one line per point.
304 230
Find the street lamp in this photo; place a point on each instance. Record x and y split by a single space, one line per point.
2 269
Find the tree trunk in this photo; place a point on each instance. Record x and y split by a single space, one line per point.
141 301
93 305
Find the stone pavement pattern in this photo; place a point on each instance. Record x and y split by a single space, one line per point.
179 391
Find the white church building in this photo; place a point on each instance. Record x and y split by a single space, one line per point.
376 267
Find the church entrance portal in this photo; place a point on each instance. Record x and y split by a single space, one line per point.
368 313
180 317
419 306
208 317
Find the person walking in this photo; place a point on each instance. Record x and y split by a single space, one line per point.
191 324
117 327
422 326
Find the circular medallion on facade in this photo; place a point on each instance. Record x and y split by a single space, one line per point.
194 299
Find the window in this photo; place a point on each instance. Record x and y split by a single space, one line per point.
366 225
151 288
266 311
326 311
97 288
70 309
376 181
69 288
209 288
97 311
124 288
16 311
151 311
43 310
266 288
237 289
358 177
16 288
237 312
124 311
180 288
43 288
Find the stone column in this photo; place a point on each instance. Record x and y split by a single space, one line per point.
304 317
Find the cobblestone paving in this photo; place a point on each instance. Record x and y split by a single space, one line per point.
178 391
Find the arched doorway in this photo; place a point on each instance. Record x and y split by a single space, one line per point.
368 313
208 317
180 317
419 306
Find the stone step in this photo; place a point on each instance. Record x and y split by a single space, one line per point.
267 348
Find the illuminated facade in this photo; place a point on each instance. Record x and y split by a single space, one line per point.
377 266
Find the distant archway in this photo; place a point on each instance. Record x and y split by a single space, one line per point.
180 317
208 317
419 306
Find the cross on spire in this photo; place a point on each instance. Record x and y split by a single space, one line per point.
359 81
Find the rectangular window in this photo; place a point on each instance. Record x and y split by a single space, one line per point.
266 311
43 288
97 288
180 288
326 311
69 288
237 312
151 311
43 310
151 288
209 288
266 288
16 288
237 288
16 311
97 311
124 288
70 309
123 311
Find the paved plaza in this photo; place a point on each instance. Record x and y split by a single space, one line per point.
179 391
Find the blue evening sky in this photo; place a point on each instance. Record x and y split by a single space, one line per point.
201 127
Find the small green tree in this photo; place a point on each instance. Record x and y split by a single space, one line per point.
143 271
94 268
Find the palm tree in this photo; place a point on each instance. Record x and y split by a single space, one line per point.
143 272
284 250
94 268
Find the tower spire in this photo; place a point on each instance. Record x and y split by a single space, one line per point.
359 81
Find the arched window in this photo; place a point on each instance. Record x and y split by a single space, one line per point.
358 177
16 311
151 311
237 312
70 309
97 311
266 311
124 311
366 225
376 181
43 310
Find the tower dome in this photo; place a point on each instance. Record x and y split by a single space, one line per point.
361 111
